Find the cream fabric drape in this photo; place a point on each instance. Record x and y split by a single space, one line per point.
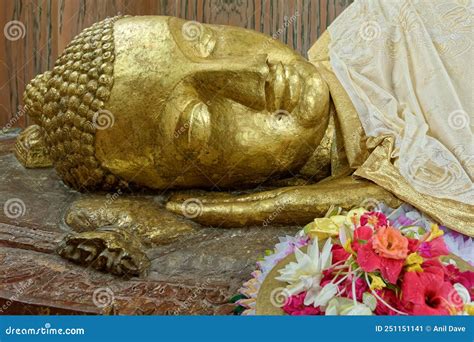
407 67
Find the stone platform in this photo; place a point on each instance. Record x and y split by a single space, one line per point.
196 274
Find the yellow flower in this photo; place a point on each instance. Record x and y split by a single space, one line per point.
435 232
353 216
338 220
347 246
413 262
469 309
322 228
377 283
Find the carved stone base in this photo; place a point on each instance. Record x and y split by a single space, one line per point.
196 274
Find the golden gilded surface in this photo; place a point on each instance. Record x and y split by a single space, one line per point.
245 109
67 102
111 232
162 103
295 205
30 149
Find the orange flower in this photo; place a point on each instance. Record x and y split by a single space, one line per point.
388 242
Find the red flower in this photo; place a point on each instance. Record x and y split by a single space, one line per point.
360 287
339 254
370 261
454 275
361 236
391 299
374 218
295 306
434 266
427 293
413 245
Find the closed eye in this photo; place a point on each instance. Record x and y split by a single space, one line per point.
193 38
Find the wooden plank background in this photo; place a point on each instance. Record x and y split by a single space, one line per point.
36 31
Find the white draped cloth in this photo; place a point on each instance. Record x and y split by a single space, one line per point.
408 68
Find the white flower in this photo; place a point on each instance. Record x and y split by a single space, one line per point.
341 306
465 297
285 247
306 273
460 245
369 300
463 293
320 297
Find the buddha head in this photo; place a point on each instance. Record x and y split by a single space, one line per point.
167 103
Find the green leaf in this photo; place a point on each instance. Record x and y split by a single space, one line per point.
237 297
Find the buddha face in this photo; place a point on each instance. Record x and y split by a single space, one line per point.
199 105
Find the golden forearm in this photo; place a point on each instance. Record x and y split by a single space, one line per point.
292 205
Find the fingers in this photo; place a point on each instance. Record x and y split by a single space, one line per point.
89 250
283 87
295 88
275 87
121 258
314 104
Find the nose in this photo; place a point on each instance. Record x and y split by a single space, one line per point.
256 64
241 79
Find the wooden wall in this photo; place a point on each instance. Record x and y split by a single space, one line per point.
36 31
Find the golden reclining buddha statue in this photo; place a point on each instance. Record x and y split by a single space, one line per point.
161 103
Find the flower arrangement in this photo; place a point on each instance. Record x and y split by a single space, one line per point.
365 262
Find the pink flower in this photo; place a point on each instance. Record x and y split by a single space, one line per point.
433 248
434 266
295 306
374 219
